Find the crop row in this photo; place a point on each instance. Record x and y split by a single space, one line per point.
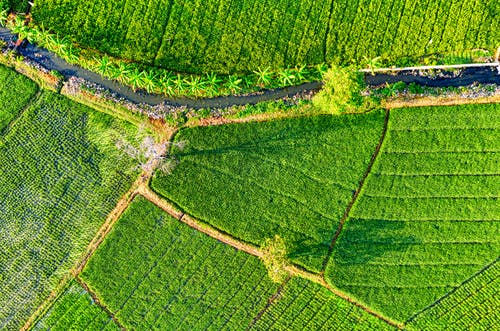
15 94
422 225
473 305
75 310
157 273
305 305
290 177
234 36
59 181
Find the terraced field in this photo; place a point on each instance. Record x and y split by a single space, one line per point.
156 273
240 36
427 217
60 177
76 310
294 178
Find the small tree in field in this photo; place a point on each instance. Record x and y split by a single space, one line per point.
275 258
342 92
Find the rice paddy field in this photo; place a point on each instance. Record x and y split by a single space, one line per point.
389 220
59 180
240 36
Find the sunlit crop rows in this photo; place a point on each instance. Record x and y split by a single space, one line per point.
156 273
428 214
58 183
473 306
76 310
293 177
234 36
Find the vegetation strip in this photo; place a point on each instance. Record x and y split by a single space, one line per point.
98 302
358 190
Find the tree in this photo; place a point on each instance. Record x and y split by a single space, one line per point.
341 92
275 258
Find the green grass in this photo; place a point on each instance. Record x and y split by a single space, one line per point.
75 310
303 305
240 36
427 216
472 306
60 177
290 177
156 273
15 94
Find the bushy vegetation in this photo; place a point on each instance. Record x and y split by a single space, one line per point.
18 6
76 310
241 36
156 273
303 305
426 218
472 306
290 177
15 94
342 92
60 178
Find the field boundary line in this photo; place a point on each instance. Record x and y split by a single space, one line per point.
98 302
357 192
270 301
151 196
28 105
113 216
444 297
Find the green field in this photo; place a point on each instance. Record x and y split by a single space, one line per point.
291 177
472 306
427 217
15 94
75 310
303 305
156 273
240 36
60 177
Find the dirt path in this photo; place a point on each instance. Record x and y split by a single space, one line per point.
356 193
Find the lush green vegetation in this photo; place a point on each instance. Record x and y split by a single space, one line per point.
18 6
472 306
290 177
15 94
61 176
76 310
428 214
303 305
156 273
241 36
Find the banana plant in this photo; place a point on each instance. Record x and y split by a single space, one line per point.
213 84
287 77
301 73
4 14
179 84
166 82
149 80
136 79
264 76
234 83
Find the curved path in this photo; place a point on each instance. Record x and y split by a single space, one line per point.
50 61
